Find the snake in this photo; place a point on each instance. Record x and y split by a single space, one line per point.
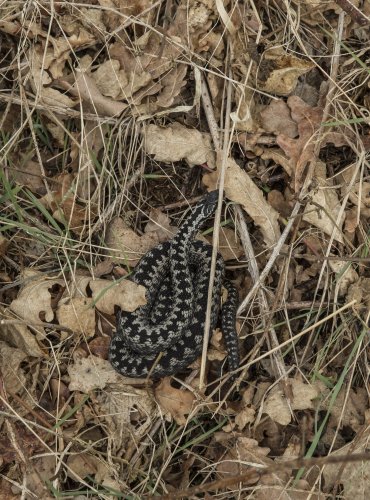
165 335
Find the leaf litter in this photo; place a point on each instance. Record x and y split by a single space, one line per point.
116 118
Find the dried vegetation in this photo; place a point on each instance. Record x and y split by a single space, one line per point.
116 117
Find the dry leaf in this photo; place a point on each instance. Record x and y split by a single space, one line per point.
236 460
301 151
354 477
11 28
102 268
240 188
313 11
34 299
283 71
293 451
360 191
74 26
277 156
28 173
245 417
277 407
176 142
325 207
360 291
88 374
348 408
216 350
116 9
43 469
72 215
148 74
53 61
12 374
351 223
57 132
112 81
173 402
55 99
77 314
273 486
20 336
87 90
56 55
247 412
99 346
346 275
125 244
83 464
279 202
276 118
4 243
78 287
31 445
245 115
172 83
229 244
64 205
8 491
160 224
126 294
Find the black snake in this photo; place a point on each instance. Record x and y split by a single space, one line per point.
176 276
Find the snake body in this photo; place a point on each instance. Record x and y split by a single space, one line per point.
176 276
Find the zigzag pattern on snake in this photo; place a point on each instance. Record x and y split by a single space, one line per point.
176 276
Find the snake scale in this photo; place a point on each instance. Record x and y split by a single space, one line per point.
176 277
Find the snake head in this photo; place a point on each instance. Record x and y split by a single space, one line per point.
209 203
204 209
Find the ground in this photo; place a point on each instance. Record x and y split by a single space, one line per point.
116 118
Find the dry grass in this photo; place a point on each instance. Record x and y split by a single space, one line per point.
81 83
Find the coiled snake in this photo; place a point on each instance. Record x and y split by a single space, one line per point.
176 276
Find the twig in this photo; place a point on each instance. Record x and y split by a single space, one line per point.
335 258
35 325
354 12
207 105
272 259
248 248
256 471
